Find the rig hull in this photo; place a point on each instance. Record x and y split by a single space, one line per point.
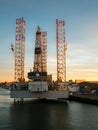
23 94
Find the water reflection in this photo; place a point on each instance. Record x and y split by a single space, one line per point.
38 116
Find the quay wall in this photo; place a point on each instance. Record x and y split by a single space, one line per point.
86 98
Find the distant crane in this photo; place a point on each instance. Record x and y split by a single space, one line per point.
61 50
18 50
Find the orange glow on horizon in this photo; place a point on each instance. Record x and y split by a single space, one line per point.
10 78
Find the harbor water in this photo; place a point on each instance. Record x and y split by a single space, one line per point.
46 116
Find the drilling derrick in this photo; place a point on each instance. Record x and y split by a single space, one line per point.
40 55
61 50
19 49
37 56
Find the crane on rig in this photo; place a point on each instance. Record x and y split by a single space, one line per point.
12 48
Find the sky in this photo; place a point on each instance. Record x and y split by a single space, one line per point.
81 27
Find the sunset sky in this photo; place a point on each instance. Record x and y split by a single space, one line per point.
81 27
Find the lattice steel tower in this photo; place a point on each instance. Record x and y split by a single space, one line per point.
19 49
61 50
40 54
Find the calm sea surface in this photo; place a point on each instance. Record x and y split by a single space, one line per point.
46 116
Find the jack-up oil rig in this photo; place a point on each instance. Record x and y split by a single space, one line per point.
38 85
